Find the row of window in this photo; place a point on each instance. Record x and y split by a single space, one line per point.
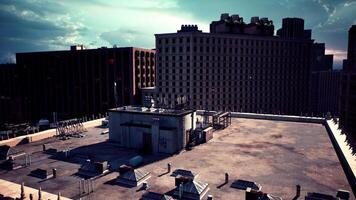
232 72
270 90
230 50
242 105
228 41
254 59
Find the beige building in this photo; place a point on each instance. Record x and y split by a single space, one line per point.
237 67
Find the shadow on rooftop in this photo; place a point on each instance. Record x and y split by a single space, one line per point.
105 151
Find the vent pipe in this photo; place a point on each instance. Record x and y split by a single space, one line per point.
297 195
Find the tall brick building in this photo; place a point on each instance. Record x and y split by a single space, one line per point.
81 82
237 66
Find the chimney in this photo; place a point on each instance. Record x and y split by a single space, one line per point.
23 195
226 177
40 194
180 190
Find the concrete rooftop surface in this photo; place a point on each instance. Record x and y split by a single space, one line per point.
278 155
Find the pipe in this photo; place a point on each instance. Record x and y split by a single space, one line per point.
297 195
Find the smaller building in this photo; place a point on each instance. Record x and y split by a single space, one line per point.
153 130
92 169
132 177
187 187
192 190
7 152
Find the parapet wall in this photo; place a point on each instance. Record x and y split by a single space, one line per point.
43 134
289 118
343 151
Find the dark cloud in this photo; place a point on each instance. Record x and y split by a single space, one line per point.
31 25
28 26
41 7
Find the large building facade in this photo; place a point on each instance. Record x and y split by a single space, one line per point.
236 67
325 90
82 82
348 91
325 84
10 94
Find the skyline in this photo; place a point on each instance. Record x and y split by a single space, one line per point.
34 25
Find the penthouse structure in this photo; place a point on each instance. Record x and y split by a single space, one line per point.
82 82
151 130
235 67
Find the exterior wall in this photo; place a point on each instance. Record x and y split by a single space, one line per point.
163 140
167 141
325 89
351 51
79 83
348 104
234 72
348 91
10 94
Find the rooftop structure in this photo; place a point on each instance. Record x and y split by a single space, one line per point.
151 130
192 190
234 24
133 178
189 28
292 28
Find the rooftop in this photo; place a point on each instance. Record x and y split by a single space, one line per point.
278 155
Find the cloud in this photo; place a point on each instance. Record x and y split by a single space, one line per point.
35 25
339 55
326 8
127 37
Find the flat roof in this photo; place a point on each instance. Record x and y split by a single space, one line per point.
276 154
150 111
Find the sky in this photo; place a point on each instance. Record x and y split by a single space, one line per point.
41 25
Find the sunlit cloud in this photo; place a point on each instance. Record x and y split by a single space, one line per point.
339 55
